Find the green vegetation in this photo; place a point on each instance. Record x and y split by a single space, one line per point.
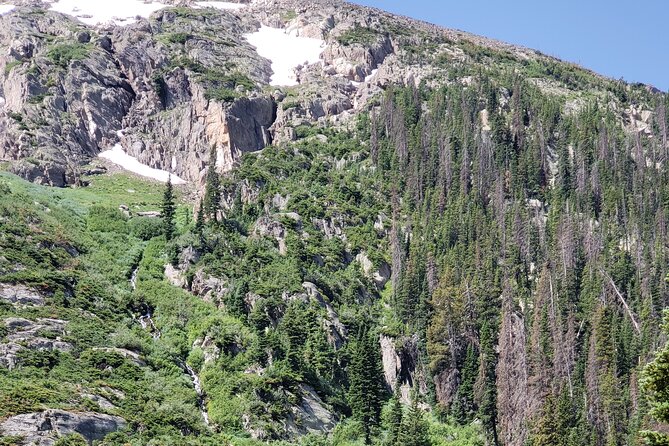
63 53
220 84
526 244
179 38
211 204
11 65
287 16
655 383
358 36
168 211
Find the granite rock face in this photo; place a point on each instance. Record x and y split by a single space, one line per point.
171 87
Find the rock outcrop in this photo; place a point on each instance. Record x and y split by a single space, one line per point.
21 295
311 416
22 334
44 428
402 366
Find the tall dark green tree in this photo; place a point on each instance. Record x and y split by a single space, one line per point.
169 210
212 194
394 419
366 387
414 430
199 220
655 383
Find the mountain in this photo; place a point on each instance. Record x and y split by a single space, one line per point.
375 230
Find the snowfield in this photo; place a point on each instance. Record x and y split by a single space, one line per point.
220 5
286 51
118 156
99 12
4 9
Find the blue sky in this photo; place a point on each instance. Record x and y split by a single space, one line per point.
628 40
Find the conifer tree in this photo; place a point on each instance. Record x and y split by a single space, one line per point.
199 220
366 387
394 421
212 194
168 211
655 383
414 430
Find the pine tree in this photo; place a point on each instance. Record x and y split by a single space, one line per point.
415 430
212 194
366 387
655 383
168 211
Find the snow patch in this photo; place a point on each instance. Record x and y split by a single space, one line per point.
367 78
4 9
220 5
98 12
286 51
118 156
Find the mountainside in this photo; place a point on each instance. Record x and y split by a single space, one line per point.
425 238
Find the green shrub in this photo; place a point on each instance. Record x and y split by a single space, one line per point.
221 94
71 440
180 38
43 359
11 65
145 228
64 53
13 440
358 36
106 219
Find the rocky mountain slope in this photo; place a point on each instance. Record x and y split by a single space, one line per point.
427 237
185 79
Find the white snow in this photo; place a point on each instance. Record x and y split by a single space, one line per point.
4 9
118 156
97 12
220 5
367 78
286 51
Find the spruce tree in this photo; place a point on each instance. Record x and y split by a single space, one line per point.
199 221
414 430
168 211
212 194
394 421
655 383
366 386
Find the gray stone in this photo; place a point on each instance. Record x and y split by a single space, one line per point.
25 334
44 428
21 294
